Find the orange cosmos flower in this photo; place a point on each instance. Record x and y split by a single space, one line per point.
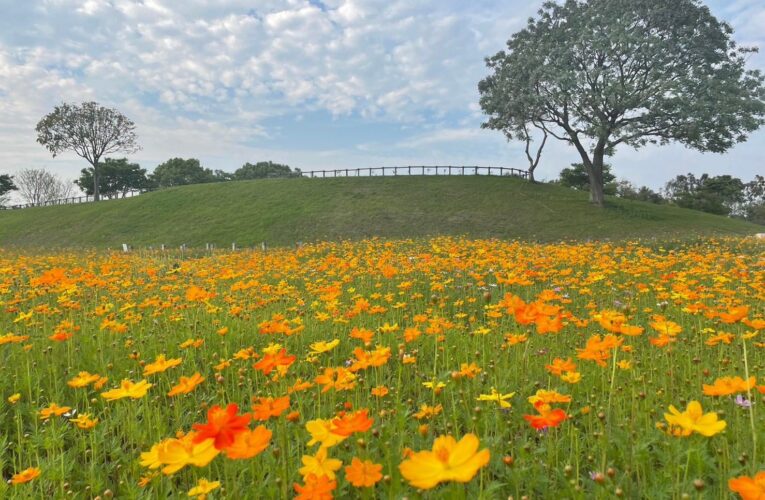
559 366
280 361
197 294
448 460
362 334
222 426
249 443
350 423
25 476
315 488
363 474
186 385
270 407
734 314
380 391
339 379
53 409
83 379
160 365
749 488
725 386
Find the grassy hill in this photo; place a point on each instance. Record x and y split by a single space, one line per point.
284 211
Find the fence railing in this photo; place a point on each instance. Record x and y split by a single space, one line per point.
414 170
75 200
418 170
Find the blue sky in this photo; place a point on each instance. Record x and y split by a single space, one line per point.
315 84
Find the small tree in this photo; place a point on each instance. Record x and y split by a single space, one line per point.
118 177
180 172
597 74
37 186
6 186
264 169
90 131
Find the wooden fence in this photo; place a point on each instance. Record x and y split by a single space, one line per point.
74 200
416 170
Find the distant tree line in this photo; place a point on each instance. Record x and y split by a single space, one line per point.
118 176
721 194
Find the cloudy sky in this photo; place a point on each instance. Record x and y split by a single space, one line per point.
312 83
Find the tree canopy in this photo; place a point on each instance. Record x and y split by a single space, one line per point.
90 131
118 177
598 74
180 172
264 169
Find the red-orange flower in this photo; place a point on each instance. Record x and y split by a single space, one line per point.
547 417
222 425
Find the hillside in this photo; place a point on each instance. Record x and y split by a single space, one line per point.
284 211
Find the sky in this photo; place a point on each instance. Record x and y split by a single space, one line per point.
316 84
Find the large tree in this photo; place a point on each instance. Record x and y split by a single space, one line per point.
597 74
117 177
90 131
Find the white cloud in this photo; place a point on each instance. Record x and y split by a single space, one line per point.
204 78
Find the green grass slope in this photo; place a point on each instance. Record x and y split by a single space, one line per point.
284 211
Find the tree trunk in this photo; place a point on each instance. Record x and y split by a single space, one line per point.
531 175
595 170
95 181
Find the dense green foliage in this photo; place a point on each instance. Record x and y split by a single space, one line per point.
597 74
181 172
263 170
116 177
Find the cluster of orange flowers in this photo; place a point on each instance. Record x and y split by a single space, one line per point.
329 365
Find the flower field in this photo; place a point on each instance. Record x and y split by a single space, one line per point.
386 369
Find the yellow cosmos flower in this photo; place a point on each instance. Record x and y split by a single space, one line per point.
320 464
175 454
14 398
203 487
693 419
84 421
128 389
497 397
449 460
322 346
160 365
321 432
